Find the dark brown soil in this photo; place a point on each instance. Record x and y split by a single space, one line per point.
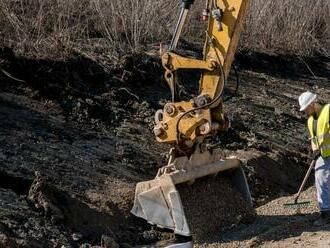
212 205
75 138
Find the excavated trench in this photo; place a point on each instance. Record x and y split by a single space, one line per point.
76 138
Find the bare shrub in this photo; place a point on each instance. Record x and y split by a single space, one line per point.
43 28
135 22
299 27
54 28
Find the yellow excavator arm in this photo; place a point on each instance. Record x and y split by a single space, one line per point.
185 124
182 122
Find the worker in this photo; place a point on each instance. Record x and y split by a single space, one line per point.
319 132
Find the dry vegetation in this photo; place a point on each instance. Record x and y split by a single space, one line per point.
55 28
288 26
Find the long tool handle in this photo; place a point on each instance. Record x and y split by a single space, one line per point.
305 179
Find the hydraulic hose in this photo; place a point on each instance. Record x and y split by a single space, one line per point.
217 98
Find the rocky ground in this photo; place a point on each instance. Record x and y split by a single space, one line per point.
77 136
278 226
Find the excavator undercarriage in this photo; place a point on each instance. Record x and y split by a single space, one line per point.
186 125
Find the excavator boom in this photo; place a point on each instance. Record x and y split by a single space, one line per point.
186 124
182 122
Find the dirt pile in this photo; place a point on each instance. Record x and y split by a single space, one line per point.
73 166
21 226
277 226
88 131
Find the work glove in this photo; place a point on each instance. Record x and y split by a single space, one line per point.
316 154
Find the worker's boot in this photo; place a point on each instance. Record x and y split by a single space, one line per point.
323 219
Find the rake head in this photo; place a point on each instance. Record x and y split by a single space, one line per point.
296 204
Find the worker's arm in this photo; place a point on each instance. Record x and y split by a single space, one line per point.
316 153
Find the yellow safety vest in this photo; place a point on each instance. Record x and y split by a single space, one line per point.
322 138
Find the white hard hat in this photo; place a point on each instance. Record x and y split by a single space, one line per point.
305 99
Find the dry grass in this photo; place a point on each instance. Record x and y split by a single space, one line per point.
54 28
299 27
38 27
132 23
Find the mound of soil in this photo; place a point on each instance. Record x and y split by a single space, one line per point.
277 226
76 137
21 226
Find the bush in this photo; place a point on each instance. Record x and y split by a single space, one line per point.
299 27
55 28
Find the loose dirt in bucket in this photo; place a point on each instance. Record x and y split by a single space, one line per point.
75 138
213 205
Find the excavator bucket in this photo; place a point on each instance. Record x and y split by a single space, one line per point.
158 201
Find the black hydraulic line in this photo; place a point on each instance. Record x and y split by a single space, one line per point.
215 100
224 83
201 107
